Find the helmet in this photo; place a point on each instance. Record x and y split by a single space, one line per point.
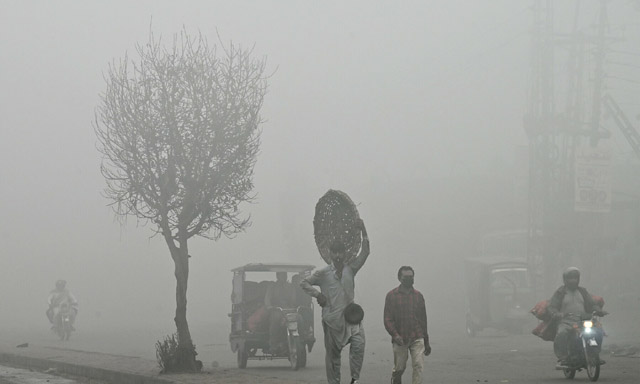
571 272
60 284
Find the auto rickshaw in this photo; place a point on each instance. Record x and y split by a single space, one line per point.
249 336
499 294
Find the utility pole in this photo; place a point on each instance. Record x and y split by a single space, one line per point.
599 74
557 234
537 124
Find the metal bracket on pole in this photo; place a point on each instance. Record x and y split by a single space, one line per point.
628 130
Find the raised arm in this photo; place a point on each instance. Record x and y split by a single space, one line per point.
359 260
307 286
308 282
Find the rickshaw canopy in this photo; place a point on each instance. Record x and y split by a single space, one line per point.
274 267
496 262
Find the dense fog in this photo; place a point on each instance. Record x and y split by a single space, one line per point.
414 109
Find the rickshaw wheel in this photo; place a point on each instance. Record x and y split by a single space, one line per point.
242 357
302 354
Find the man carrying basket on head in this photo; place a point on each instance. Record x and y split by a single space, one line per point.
341 317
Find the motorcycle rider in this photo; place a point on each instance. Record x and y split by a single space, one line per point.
304 304
283 295
567 305
59 295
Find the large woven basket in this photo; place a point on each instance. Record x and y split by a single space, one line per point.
336 218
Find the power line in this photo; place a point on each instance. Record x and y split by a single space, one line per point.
622 78
624 64
624 52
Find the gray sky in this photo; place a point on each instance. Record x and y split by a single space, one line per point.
362 92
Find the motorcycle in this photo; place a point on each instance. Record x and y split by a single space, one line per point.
62 321
295 340
584 348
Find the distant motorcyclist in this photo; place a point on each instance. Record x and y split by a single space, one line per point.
566 306
58 296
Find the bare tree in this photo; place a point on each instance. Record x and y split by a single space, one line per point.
178 131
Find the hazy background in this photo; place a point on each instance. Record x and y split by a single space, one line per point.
413 108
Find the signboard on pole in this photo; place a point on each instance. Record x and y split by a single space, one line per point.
592 179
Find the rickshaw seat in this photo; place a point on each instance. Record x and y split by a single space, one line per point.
253 302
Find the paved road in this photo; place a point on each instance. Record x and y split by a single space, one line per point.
492 357
10 375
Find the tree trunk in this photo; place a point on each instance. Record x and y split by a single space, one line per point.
186 353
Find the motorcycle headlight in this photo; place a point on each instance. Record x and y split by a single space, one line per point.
588 324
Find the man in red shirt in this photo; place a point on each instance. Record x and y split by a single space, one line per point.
405 318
